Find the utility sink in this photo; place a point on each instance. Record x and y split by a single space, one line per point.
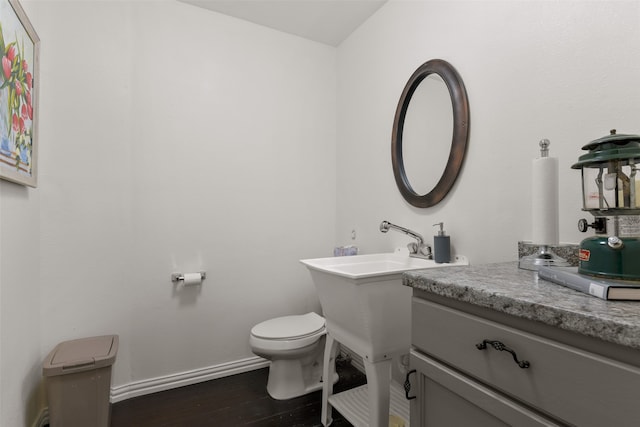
368 310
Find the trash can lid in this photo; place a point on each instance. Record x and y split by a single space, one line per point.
81 355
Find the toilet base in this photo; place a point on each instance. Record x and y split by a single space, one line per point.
287 379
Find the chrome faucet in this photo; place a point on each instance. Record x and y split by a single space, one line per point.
418 249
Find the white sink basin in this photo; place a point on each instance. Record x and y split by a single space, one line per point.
363 300
375 265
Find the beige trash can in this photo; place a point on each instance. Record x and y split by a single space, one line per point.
78 381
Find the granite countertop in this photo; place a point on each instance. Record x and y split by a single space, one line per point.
505 288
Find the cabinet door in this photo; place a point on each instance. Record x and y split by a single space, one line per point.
447 398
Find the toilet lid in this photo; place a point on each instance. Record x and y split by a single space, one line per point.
289 327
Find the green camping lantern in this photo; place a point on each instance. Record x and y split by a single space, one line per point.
610 190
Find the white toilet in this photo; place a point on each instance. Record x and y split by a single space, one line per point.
295 346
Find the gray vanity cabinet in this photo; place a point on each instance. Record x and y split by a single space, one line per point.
477 367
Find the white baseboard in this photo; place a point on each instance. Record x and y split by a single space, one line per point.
168 382
154 385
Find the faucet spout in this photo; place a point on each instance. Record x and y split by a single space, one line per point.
386 226
418 249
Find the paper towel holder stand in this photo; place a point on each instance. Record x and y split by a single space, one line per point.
179 277
544 257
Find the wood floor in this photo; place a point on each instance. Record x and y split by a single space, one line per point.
238 400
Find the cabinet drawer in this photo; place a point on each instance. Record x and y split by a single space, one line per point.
447 398
567 383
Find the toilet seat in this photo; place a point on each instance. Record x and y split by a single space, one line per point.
289 327
288 332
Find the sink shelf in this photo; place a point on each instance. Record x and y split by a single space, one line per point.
353 404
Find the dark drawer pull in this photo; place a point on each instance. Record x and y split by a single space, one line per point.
501 347
407 385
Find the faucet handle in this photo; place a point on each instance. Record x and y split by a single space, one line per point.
420 250
425 250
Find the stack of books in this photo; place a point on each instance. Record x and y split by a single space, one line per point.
598 287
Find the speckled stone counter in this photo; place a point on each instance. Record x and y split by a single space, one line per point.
505 288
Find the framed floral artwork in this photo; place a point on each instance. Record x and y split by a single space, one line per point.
19 49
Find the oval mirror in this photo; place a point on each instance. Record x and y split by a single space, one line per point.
430 133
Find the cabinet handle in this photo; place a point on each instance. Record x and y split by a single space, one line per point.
501 347
407 385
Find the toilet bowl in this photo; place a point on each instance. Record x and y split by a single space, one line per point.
295 347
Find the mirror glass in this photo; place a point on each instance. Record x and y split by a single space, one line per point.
429 118
430 133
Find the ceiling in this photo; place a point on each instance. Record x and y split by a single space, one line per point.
324 21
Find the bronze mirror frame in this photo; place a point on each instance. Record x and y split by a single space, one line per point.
460 138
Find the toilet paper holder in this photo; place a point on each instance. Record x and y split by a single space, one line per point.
179 277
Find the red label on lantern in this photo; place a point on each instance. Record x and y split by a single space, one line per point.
584 254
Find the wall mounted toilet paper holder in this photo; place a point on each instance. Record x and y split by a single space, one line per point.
179 277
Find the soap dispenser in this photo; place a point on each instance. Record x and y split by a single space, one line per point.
441 246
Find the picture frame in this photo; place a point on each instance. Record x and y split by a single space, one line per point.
19 78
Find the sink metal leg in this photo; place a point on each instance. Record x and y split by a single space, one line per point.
328 373
378 383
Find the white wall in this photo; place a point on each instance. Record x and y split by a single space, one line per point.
19 304
84 184
233 161
171 139
566 71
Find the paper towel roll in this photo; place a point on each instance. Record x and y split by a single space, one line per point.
544 212
192 279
